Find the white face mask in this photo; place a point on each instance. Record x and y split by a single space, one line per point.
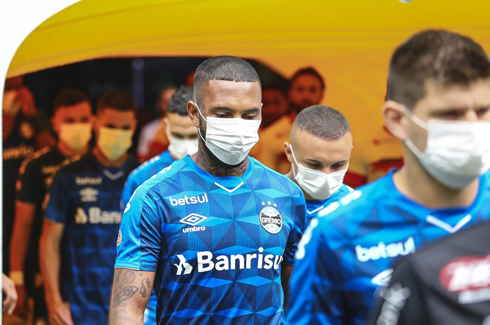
179 148
230 139
114 143
318 185
457 152
75 135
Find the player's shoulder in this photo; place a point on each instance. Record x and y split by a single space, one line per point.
261 170
76 164
154 164
164 177
485 178
357 204
36 158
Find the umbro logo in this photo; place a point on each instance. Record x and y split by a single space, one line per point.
192 220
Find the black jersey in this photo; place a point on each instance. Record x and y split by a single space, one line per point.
447 283
19 144
35 176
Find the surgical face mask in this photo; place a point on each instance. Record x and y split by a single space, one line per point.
318 185
230 139
114 143
75 135
457 152
179 148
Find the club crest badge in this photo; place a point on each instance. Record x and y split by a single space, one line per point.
271 219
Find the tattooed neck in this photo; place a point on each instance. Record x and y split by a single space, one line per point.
207 161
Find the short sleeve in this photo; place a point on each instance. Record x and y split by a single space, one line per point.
297 231
139 240
128 189
316 284
57 209
403 301
30 188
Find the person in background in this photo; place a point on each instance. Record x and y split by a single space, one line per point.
9 294
275 105
374 157
23 133
319 152
438 105
77 246
149 131
306 88
72 122
182 135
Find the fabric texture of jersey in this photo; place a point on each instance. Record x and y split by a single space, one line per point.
86 197
144 173
35 176
216 243
135 179
315 206
447 282
349 250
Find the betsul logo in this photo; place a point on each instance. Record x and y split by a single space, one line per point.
271 220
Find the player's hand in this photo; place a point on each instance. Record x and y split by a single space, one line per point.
59 314
22 308
26 99
8 289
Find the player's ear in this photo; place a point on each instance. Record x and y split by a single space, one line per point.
393 117
287 151
193 113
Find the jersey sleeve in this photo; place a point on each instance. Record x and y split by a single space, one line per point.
139 241
128 190
403 302
30 186
316 285
58 204
297 231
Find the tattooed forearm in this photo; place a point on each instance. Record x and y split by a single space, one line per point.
145 287
130 293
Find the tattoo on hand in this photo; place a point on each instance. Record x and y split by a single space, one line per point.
121 314
128 276
145 287
123 295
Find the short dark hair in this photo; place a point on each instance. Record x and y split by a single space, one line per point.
117 100
229 68
178 102
307 71
445 57
69 97
323 122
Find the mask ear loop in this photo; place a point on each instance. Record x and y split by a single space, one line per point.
199 129
415 119
294 158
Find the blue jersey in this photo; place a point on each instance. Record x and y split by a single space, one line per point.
348 252
217 244
144 173
85 196
135 179
313 207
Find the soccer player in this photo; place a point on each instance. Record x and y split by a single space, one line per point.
77 248
447 282
183 141
438 101
72 121
214 233
319 152
23 132
182 135
306 88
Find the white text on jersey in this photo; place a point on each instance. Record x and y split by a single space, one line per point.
385 251
97 216
189 200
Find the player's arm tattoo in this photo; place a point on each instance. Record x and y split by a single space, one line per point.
130 293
